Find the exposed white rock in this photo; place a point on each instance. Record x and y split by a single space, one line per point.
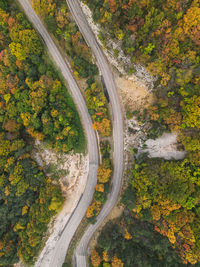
73 185
164 147
122 60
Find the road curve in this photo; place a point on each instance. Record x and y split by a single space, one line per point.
81 251
73 223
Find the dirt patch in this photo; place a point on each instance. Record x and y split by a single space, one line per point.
82 84
19 264
134 93
115 213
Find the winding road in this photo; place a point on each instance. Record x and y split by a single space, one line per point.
69 230
81 251
73 223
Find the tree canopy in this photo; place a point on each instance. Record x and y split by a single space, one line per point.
34 105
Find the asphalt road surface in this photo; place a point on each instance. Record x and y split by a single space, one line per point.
63 243
81 251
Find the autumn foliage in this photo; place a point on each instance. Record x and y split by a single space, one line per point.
34 105
163 36
93 209
103 127
116 262
104 172
95 259
173 203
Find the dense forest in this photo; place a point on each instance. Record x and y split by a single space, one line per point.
34 105
127 241
59 22
164 36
